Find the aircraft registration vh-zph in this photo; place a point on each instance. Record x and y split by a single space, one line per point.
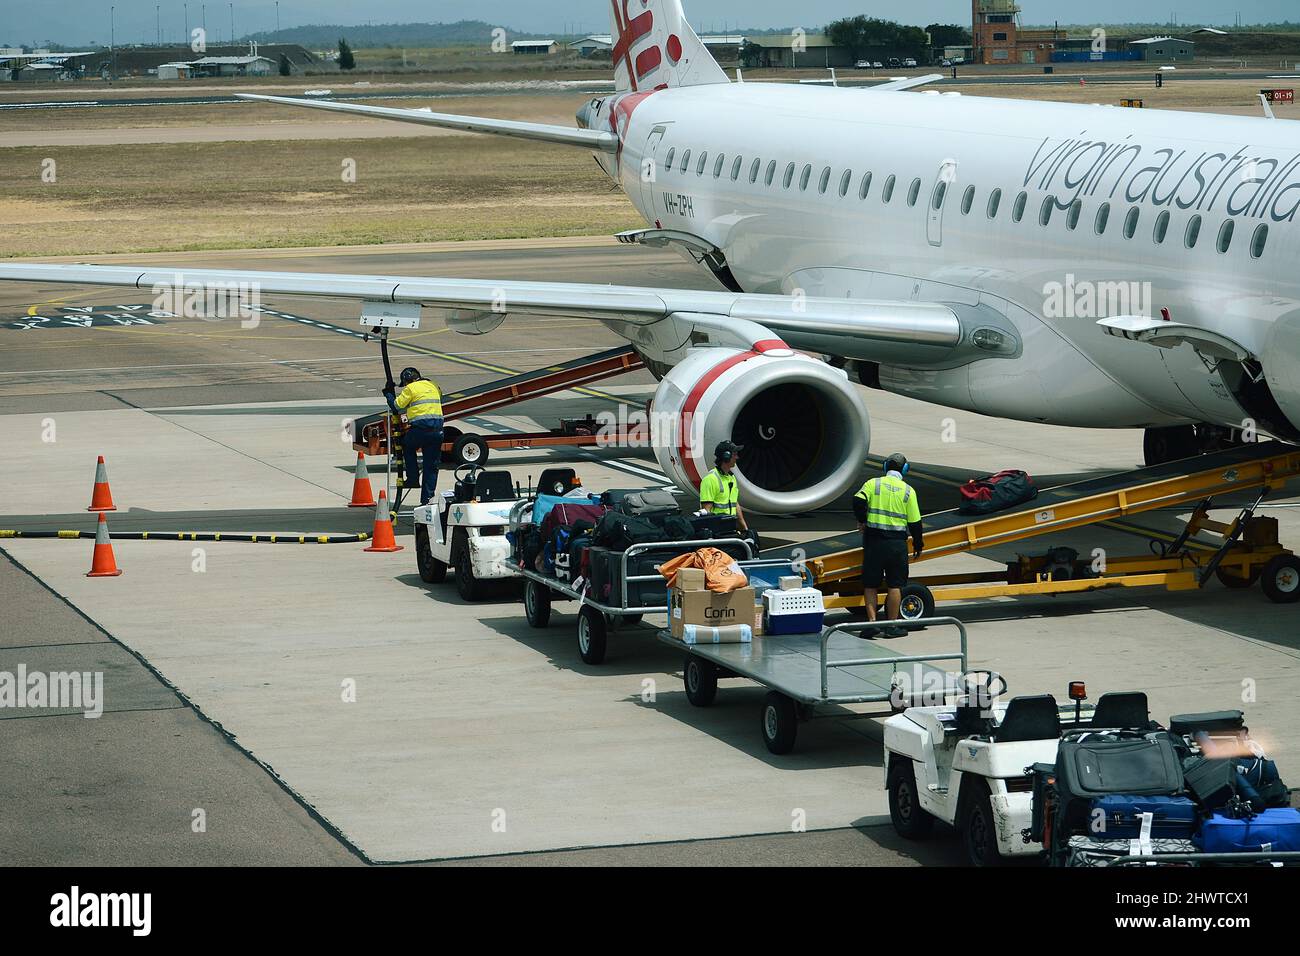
1048 262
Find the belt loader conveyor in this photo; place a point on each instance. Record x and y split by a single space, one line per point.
1246 550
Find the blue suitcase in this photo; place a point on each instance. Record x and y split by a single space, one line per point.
1276 829
1174 818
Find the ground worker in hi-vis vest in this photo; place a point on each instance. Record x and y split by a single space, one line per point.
420 400
888 512
719 494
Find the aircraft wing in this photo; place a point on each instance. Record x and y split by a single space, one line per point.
600 140
902 330
906 83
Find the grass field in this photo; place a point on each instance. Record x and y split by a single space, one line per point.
177 197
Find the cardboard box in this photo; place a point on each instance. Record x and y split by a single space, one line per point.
690 579
710 608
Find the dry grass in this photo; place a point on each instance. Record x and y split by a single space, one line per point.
178 197
1240 97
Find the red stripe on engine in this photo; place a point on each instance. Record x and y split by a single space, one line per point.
692 403
768 345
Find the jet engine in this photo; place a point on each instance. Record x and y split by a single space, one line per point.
802 425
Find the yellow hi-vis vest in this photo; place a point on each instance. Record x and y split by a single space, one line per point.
420 400
720 491
891 504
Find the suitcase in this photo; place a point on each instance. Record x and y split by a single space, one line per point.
1276 830
709 527
606 578
652 501
1218 721
1212 782
1119 816
1101 764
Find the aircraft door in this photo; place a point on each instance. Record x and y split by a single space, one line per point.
939 198
650 173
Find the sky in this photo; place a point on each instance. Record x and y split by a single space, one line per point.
81 22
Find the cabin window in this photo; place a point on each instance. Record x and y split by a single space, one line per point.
1193 232
754 169
845 182
686 160
1102 220
967 200
718 164
789 175
1258 242
995 200
865 187
1018 210
735 169
940 191
824 183
1225 235
913 192
805 177
668 163
1131 222
704 161
887 193
771 173
1045 211
1072 219
1162 227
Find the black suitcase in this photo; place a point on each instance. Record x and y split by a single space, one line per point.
1218 721
607 577
709 527
1213 783
1102 764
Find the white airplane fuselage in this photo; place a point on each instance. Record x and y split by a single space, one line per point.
1052 282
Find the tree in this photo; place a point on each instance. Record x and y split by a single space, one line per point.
285 68
346 60
870 35
948 34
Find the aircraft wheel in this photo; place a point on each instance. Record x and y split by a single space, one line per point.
1161 445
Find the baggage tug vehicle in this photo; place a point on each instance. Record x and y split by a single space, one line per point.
1007 775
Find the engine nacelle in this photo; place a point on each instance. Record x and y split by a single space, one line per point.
803 426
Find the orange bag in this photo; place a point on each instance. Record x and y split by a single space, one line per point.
721 572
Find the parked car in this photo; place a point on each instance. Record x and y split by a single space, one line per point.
909 63
895 62
862 65
877 65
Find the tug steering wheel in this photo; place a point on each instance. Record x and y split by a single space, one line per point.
968 680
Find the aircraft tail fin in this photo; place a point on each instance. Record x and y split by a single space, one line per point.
654 48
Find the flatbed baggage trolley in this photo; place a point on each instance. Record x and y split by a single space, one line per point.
802 675
597 619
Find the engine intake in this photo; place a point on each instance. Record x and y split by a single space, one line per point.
803 426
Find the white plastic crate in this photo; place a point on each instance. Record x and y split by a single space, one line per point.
796 601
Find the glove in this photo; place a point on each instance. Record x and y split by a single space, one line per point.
916 550
388 390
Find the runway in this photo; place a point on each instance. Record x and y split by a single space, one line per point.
223 684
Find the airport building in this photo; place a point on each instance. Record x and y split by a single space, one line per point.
997 38
806 51
534 47
1163 50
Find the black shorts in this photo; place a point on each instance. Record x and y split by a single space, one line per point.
884 558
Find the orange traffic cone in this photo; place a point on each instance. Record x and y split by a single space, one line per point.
383 536
101 499
363 495
102 563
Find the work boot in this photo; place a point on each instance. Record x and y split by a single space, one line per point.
894 630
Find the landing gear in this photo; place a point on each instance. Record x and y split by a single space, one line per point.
1161 445
1177 442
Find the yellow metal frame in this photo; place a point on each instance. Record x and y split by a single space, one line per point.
839 574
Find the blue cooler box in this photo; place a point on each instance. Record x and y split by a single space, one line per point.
797 611
1271 830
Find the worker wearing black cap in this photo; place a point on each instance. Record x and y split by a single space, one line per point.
888 512
719 494
420 400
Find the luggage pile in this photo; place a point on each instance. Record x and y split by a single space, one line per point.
582 539
1201 787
